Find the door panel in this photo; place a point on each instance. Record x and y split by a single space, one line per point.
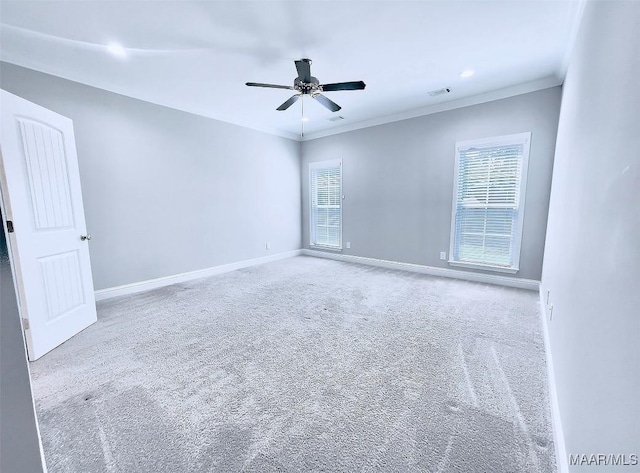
62 280
41 195
47 171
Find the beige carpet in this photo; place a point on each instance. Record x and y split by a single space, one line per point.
303 364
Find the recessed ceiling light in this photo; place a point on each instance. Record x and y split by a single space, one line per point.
305 119
467 73
116 49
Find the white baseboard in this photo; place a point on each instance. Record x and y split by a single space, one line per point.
191 275
556 423
529 284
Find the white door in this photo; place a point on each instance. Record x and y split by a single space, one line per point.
46 232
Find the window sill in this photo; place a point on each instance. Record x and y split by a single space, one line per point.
484 267
325 248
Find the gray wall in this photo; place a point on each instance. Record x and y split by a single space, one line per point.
19 444
166 192
592 258
398 178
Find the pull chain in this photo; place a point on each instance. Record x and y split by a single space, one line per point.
302 118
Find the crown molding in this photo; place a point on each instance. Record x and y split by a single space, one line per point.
213 116
573 37
504 93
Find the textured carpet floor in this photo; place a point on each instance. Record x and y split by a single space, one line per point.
303 364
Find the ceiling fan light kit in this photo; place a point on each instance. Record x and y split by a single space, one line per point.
306 84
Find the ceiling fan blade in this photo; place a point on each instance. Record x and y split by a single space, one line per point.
330 104
271 86
289 102
359 85
304 70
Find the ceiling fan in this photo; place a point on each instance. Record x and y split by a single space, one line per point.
306 84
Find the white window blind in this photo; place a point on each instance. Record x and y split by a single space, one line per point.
326 204
488 201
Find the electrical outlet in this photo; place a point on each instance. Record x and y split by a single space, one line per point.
348 244
267 246
443 255
550 312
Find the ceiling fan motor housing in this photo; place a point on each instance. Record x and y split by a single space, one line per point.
307 87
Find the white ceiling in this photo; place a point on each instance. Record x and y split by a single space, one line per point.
196 55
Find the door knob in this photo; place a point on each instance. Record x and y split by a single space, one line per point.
85 237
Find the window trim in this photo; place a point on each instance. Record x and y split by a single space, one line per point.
323 165
518 138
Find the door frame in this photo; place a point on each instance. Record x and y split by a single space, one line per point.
14 260
12 264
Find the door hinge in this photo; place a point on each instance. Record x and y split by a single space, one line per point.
9 226
25 324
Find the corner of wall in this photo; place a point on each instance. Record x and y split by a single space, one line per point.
556 422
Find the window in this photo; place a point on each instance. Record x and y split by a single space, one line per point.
488 202
326 204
